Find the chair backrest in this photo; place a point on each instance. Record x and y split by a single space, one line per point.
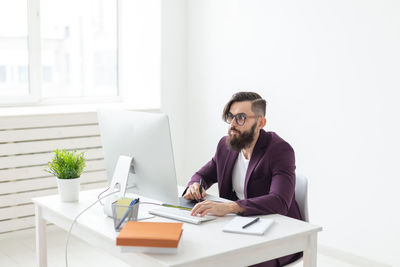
301 195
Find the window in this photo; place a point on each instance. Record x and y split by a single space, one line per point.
79 48
3 74
13 48
22 74
69 51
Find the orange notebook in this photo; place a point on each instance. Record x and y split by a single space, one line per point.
150 234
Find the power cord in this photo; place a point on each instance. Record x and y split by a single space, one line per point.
74 221
151 203
101 194
99 198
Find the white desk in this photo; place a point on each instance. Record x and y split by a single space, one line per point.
200 245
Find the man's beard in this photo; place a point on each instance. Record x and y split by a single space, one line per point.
242 140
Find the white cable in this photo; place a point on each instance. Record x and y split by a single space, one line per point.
77 216
73 222
152 203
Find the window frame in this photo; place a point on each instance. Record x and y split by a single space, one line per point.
35 97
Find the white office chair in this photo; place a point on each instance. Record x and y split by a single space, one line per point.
301 192
301 199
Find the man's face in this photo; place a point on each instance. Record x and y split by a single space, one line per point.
240 137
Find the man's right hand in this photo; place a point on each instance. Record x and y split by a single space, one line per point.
193 192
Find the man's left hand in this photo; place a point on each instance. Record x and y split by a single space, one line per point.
215 208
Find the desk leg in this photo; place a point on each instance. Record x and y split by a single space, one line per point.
310 254
41 246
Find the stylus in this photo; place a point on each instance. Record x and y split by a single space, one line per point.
201 189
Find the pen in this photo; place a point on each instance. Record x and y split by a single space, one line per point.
250 223
133 202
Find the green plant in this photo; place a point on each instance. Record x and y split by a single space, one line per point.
66 164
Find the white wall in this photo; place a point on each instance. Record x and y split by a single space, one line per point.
173 75
140 52
153 67
329 71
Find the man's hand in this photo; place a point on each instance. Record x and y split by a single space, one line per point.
193 192
216 208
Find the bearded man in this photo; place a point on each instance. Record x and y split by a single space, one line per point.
254 168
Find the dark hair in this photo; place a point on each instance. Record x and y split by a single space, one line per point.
258 105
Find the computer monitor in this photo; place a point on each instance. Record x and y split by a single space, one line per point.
145 137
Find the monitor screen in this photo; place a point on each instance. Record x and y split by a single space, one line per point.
145 137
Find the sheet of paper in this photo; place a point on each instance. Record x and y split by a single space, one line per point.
257 228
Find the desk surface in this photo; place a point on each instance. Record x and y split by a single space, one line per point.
204 243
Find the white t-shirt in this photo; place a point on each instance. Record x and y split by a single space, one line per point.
239 175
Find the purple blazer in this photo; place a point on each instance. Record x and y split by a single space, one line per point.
269 184
270 178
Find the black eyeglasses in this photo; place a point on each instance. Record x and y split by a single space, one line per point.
240 118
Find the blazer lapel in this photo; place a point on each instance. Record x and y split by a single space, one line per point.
255 157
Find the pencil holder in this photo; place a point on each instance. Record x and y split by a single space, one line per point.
124 213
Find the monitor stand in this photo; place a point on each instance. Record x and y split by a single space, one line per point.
119 182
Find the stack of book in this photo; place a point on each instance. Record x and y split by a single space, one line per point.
151 237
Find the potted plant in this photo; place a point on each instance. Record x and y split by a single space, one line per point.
67 166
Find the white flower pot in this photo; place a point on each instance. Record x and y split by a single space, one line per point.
69 189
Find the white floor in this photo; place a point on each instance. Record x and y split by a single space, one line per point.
17 249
